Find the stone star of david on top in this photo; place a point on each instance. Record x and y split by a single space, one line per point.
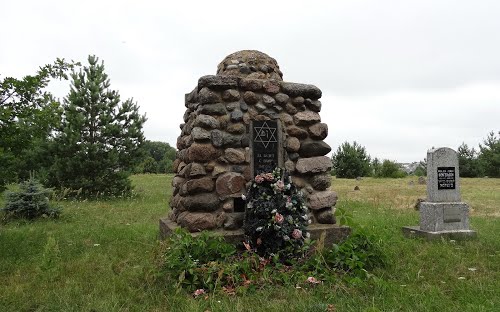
265 135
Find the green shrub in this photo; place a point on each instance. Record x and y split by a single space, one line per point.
31 201
207 262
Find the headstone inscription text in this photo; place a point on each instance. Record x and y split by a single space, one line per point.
446 178
265 146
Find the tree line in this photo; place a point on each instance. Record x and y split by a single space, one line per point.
89 143
351 160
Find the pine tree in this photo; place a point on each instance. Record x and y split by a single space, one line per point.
351 161
99 138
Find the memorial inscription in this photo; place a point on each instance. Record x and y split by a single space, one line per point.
265 146
446 178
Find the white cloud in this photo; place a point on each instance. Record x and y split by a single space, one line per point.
397 76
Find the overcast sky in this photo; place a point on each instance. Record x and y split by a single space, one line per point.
399 77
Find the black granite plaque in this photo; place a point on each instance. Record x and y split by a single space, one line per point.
446 178
265 146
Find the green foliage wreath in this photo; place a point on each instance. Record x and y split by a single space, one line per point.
276 216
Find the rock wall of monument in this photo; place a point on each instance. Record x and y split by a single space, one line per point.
213 160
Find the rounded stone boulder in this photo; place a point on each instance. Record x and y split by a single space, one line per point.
201 202
313 165
322 199
202 152
251 63
230 183
198 221
314 148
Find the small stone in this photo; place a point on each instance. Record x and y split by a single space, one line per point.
195 186
264 68
201 202
268 100
293 156
250 97
321 182
270 113
212 109
251 84
198 152
197 221
306 118
218 169
421 181
286 118
200 134
296 132
234 156
228 205
175 164
232 66
191 97
318 131
182 155
292 110
314 165
260 107
322 199
281 98
181 166
232 106
292 144
298 101
271 86
205 96
298 89
244 69
236 128
256 75
177 181
314 148
243 106
206 121
325 216
315 106
230 183
217 82
195 170
277 108
299 182
356 188
234 221
290 166
236 116
245 140
231 95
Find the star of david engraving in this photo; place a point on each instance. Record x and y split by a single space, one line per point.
265 135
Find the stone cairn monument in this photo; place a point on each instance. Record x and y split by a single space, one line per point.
239 123
443 213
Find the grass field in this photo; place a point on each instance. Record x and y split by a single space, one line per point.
98 257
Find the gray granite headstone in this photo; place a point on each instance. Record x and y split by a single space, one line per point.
443 213
443 183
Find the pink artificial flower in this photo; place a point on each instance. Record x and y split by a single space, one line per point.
199 292
297 233
268 176
278 218
259 179
280 185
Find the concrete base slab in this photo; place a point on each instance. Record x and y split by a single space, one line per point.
415 231
333 234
